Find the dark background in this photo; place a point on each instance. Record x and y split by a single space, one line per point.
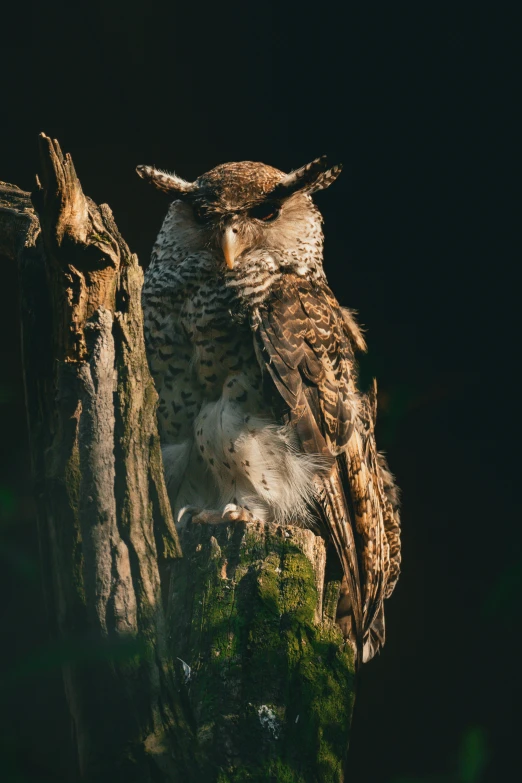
418 101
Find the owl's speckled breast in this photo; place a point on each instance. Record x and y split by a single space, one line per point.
222 344
198 348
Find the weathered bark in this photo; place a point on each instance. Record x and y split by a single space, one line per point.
224 665
104 517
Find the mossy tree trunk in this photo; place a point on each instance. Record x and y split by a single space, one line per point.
222 665
269 683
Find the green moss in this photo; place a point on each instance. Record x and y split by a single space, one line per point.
169 549
100 237
273 771
330 600
72 476
271 692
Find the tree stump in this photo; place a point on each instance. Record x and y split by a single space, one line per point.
268 681
221 665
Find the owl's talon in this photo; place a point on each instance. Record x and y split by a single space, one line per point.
186 516
233 513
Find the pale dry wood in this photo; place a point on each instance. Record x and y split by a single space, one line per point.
105 520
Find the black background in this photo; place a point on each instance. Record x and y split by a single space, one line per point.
418 101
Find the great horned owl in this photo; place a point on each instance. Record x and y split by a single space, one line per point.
260 416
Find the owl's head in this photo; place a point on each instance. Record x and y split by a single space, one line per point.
245 208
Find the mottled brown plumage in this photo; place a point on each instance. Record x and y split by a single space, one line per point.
254 359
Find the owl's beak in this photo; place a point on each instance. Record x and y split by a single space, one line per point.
230 246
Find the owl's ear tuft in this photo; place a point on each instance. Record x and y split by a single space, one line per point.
168 183
316 175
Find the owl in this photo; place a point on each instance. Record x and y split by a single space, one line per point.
260 414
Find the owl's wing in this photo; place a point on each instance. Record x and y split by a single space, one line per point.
304 341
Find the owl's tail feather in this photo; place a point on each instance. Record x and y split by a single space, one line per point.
338 520
375 635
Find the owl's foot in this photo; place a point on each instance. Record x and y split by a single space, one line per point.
231 513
